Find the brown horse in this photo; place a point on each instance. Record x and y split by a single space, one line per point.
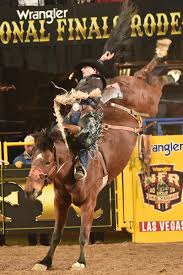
53 161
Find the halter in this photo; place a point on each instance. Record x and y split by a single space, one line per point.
55 168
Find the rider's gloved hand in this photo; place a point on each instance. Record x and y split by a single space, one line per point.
106 56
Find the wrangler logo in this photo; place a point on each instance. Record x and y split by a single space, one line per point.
167 148
163 187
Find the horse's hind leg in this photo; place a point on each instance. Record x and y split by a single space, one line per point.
87 210
61 210
148 71
171 78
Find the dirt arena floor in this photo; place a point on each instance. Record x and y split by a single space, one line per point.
124 258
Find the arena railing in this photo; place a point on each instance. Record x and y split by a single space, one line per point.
7 144
1 155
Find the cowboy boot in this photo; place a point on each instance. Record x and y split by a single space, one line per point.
79 171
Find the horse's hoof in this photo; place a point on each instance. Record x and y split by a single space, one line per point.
78 266
39 267
175 74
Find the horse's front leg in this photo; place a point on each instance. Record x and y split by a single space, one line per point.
87 210
61 210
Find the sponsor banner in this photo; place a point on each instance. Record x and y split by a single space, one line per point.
72 24
59 25
162 188
168 148
155 226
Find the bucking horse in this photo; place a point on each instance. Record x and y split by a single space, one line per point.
53 160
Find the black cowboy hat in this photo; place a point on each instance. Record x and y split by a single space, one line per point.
99 66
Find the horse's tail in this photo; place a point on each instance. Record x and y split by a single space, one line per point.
120 36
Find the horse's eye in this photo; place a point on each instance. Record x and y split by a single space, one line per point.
48 162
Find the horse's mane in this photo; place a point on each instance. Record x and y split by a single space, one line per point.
44 140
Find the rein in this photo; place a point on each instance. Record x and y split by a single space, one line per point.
129 111
42 175
136 115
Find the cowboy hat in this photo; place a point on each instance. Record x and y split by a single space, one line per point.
91 63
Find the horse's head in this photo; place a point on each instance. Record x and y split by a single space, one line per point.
45 163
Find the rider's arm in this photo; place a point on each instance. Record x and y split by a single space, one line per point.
106 56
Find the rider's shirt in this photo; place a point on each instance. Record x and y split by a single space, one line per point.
87 84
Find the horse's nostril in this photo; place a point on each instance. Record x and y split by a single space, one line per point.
39 193
27 195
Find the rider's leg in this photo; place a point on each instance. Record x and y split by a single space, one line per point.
80 167
74 117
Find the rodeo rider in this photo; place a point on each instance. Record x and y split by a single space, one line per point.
84 114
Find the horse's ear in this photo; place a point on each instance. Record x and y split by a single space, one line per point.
39 135
46 138
36 136
43 140
55 135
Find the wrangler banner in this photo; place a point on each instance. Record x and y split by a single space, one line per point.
56 25
69 24
31 35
